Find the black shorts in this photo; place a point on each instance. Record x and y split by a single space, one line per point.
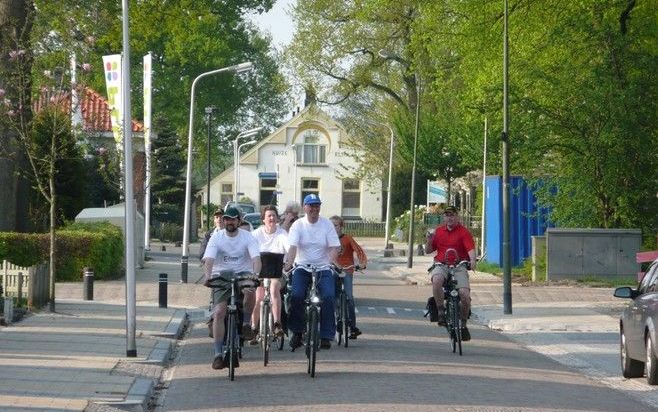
271 265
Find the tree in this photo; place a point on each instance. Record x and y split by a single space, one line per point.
168 181
15 28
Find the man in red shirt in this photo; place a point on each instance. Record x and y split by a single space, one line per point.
452 243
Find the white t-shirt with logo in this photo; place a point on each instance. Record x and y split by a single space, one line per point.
313 240
232 253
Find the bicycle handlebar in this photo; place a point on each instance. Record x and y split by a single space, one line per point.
463 263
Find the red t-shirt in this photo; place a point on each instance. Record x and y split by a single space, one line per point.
459 238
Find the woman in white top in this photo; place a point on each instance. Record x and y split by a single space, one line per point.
273 241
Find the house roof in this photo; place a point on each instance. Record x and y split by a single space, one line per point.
95 109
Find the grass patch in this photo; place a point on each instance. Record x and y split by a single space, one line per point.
595 281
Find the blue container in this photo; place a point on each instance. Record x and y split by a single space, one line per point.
526 219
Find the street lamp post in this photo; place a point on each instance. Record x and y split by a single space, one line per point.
236 155
238 68
237 183
294 160
386 55
410 258
209 112
507 257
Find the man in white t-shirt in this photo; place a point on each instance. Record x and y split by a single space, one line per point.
236 250
313 241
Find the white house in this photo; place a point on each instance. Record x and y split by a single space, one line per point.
308 154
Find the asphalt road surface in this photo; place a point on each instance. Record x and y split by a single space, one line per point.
401 362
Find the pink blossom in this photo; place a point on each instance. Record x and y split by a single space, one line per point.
11 113
13 55
91 40
21 52
2 93
47 73
7 102
86 67
101 151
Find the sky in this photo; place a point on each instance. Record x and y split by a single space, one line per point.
277 22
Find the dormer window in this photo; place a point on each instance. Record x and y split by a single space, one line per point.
314 149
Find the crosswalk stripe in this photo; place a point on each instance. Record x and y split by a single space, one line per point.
390 311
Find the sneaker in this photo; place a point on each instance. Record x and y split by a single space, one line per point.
442 317
354 332
466 335
277 330
255 341
325 343
296 341
218 361
209 323
247 332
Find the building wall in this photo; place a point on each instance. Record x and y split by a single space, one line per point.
275 155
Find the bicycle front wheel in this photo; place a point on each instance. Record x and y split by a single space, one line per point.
344 317
313 340
265 333
231 341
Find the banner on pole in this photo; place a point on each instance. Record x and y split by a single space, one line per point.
436 193
112 66
147 100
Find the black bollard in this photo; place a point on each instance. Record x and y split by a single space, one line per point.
162 295
88 284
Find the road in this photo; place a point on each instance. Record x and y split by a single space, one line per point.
401 362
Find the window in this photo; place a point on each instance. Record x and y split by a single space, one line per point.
226 194
351 197
313 151
310 186
268 191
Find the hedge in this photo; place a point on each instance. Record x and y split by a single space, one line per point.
97 245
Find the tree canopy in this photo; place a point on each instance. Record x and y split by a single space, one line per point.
583 98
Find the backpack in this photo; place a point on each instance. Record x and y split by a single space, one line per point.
432 310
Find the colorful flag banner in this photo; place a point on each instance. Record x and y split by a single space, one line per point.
112 66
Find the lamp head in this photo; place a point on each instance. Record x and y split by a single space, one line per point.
243 67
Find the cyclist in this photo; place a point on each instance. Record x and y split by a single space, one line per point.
290 215
230 249
219 225
273 241
349 247
313 241
452 235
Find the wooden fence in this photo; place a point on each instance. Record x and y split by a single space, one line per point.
25 282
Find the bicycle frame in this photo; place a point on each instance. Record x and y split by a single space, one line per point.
313 310
342 307
232 338
452 303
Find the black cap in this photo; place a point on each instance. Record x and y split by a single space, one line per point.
451 209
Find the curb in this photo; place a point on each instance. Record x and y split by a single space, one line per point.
140 392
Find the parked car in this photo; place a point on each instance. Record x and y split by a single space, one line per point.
254 219
638 339
244 207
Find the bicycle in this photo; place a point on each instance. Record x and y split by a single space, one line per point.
267 338
312 312
233 341
452 303
342 307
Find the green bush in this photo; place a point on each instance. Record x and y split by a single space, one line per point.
420 227
97 245
167 232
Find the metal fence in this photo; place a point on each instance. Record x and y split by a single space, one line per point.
365 229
